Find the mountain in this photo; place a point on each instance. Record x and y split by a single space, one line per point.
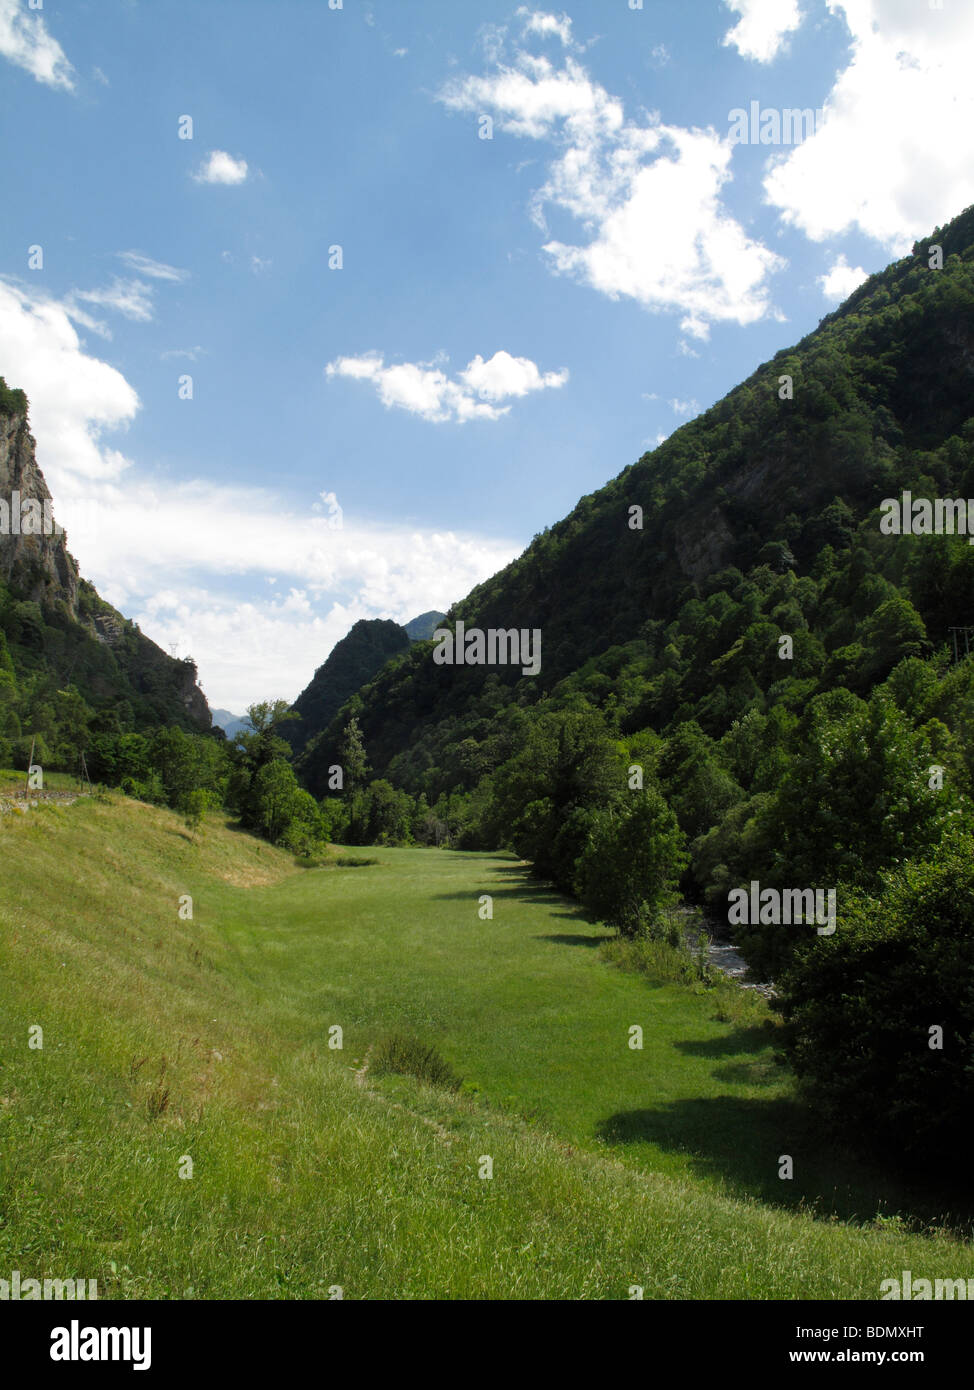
421 629
231 724
68 660
351 663
659 598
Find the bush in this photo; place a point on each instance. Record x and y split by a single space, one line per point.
859 1006
408 1056
632 863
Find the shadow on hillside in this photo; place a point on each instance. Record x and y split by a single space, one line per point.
753 1039
740 1141
528 892
565 939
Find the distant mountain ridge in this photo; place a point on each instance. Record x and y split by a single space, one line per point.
421 629
231 724
350 663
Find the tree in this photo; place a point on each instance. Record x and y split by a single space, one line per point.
194 808
632 863
274 795
863 1008
351 751
264 744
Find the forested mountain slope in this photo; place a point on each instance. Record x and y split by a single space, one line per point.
350 663
757 517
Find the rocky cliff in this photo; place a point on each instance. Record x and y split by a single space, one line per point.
50 616
33 551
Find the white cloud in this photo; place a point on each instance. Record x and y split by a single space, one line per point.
25 41
220 167
839 282
72 394
646 195
546 25
424 389
762 28
182 558
193 354
156 270
690 407
505 376
892 158
131 298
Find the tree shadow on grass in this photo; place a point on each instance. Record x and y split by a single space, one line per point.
753 1039
565 939
528 892
740 1142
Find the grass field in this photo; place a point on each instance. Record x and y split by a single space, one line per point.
167 1040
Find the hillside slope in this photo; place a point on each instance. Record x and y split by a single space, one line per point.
780 478
186 1131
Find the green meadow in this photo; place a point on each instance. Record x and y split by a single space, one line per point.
186 1130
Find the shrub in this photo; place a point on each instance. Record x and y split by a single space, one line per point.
859 1006
632 863
408 1056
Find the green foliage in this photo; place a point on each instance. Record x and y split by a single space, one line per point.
12 401
860 1005
274 799
408 1056
630 867
352 757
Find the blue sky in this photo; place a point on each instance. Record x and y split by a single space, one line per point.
514 320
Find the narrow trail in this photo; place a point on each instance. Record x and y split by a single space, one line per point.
21 801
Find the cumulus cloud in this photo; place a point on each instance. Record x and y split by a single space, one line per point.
424 389
647 195
546 25
25 41
762 28
892 157
839 282
74 396
220 167
183 558
504 375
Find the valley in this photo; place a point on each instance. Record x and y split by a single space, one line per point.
208 1039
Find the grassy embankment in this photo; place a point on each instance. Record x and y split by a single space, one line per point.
208 1038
